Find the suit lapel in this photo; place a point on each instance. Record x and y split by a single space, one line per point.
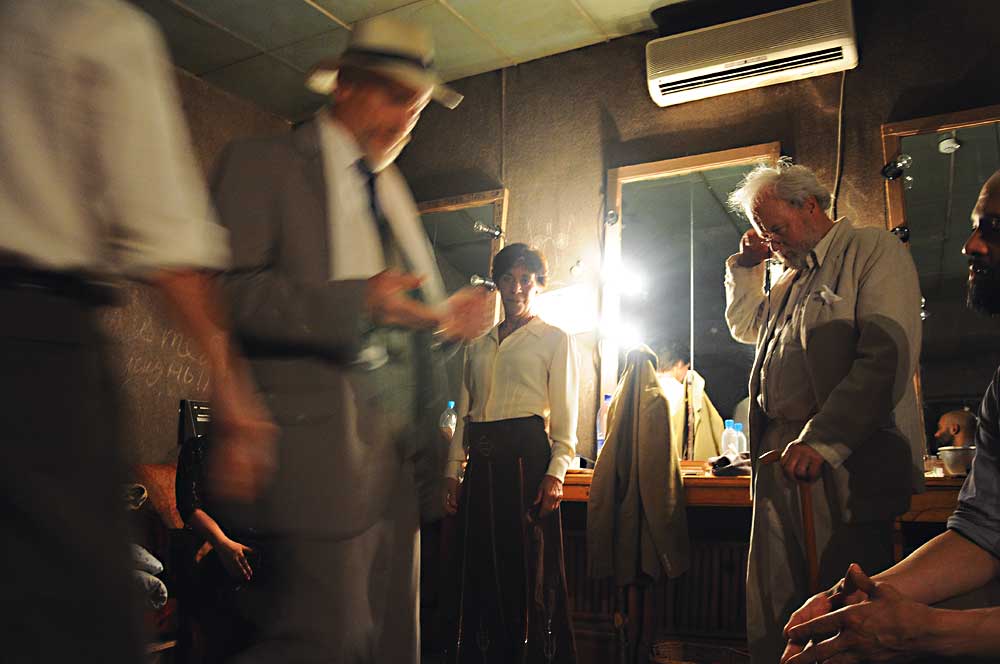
305 139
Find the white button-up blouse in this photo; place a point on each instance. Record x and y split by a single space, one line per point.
534 372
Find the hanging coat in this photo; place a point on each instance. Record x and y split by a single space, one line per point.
636 515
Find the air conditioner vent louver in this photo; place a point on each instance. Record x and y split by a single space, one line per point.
767 67
789 44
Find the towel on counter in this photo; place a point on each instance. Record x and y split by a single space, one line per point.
731 464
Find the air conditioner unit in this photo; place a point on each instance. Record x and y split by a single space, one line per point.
786 45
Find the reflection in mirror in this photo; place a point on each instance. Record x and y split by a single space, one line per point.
676 232
948 159
465 233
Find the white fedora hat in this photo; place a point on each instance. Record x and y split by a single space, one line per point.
401 51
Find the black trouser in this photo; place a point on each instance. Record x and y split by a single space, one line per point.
66 591
512 602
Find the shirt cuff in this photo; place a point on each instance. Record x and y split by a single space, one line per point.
834 454
745 276
558 466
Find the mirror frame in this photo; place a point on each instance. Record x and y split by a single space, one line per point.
892 140
893 134
495 197
610 305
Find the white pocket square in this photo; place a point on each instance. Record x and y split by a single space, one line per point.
827 295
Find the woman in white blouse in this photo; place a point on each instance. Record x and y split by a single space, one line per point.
512 601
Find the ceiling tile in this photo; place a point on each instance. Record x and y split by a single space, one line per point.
528 29
194 45
308 52
355 10
622 17
459 50
269 24
269 83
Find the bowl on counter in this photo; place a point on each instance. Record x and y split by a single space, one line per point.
957 460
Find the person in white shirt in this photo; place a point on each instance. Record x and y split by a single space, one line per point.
521 374
695 424
99 184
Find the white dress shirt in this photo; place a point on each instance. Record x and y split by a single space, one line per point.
533 372
355 247
98 171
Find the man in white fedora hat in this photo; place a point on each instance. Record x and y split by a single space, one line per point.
327 245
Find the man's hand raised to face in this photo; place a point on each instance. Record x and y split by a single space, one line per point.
753 249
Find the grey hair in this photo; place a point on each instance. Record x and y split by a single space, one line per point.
789 182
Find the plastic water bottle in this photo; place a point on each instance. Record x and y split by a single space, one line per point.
448 421
602 422
743 445
730 439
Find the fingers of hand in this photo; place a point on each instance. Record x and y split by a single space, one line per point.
857 579
830 650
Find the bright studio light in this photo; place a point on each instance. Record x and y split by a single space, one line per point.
573 308
624 280
623 334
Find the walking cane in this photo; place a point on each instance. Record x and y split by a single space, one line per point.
808 522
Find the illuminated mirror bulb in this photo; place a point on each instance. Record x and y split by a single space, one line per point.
908 182
904 160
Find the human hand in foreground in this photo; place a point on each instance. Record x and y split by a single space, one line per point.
469 313
753 249
842 594
549 495
234 559
881 626
388 304
801 463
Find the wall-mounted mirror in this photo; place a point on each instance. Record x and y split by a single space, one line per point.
466 232
664 266
937 165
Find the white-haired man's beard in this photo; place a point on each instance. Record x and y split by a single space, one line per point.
984 290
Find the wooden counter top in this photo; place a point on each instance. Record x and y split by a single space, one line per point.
703 489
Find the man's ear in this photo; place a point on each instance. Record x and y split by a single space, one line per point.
954 428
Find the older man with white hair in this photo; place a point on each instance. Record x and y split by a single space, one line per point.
838 337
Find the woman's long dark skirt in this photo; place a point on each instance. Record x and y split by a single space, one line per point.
511 605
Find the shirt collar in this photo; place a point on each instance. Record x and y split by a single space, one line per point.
818 254
534 326
338 143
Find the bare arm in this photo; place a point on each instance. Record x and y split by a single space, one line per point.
890 601
919 576
885 625
232 553
243 458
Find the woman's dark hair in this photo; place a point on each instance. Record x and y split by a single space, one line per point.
520 254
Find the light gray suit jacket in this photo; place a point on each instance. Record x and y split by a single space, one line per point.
860 328
346 430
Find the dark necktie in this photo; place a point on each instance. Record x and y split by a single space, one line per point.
384 232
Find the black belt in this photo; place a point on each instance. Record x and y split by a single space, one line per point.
59 284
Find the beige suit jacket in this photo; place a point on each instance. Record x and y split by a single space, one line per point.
860 328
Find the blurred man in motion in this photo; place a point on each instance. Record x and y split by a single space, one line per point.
98 184
327 245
